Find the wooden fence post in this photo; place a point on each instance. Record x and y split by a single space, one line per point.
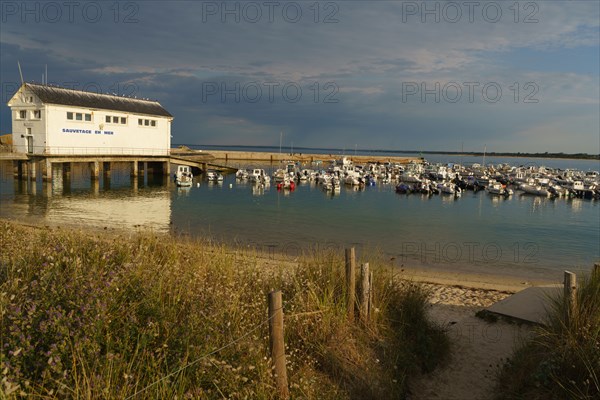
370 294
570 294
364 292
350 282
277 343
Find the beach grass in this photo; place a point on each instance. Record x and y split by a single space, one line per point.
97 315
562 359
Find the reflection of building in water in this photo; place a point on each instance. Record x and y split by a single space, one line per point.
149 210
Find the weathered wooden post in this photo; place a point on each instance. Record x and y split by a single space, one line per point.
364 292
370 310
277 343
350 282
31 169
570 294
47 170
94 170
66 170
106 169
17 171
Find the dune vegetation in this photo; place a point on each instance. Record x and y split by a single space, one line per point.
104 315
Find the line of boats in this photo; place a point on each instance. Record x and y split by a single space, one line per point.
450 179
185 178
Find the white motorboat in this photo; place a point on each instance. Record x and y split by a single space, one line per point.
535 190
214 176
352 179
446 188
258 175
409 177
242 174
498 189
184 176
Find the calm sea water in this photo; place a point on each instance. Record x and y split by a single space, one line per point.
524 236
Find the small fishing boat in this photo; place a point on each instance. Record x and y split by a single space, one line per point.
287 183
403 188
446 188
535 190
183 176
242 174
410 177
496 188
214 176
258 175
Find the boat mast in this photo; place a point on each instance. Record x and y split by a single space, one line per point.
484 150
280 140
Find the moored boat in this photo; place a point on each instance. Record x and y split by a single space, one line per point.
184 176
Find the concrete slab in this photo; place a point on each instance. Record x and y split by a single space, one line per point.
530 304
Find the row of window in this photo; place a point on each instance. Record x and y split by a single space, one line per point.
146 122
112 119
87 117
33 114
79 116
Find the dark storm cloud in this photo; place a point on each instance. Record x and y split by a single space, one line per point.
370 59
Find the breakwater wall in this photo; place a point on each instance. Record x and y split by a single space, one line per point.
227 155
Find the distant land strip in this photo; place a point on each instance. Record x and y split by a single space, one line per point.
286 149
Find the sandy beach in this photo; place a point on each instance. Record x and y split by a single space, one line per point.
478 347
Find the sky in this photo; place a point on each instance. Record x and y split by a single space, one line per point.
507 76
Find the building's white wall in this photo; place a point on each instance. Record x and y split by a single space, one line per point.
106 138
19 126
50 137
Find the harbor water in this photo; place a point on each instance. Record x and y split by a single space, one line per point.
521 235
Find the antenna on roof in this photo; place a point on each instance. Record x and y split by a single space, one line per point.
20 72
46 74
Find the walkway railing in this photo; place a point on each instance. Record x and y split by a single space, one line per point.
79 151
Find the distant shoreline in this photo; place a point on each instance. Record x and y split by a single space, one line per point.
286 150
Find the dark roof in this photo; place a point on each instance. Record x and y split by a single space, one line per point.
79 98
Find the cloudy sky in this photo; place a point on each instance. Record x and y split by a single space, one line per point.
436 75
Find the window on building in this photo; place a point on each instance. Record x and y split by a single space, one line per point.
22 114
123 120
140 122
115 120
78 116
146 122
153 123
88 117
107 118
69 115
37 114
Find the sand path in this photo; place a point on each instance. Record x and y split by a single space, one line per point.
478 347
